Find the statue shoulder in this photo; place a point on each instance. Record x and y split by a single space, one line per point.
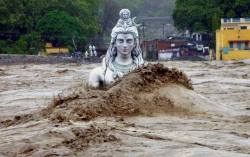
96 76
100 75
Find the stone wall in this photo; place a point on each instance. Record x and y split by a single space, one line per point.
6 59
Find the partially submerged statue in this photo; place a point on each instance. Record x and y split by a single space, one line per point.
123 55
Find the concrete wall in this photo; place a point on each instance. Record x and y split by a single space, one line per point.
6 59
237 55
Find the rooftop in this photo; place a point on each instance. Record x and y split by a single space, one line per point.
235 20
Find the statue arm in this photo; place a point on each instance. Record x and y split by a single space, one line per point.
96 77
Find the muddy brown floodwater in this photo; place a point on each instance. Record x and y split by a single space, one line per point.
188 109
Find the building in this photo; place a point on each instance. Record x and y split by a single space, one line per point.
173 47
54 51
233 38
155 27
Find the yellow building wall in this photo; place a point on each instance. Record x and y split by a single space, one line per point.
219 44
56 50
236 55
223 37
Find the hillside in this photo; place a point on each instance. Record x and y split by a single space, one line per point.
141 9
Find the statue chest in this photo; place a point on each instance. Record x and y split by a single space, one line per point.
124 69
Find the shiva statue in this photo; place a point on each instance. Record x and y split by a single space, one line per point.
123 55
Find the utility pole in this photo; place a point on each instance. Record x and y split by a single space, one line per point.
163 31
142 39
143 31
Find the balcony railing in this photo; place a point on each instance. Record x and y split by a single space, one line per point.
235 20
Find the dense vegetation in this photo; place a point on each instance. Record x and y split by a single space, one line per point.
25 25
204 15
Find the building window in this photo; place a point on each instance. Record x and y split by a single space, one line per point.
225 20
246 45
247 19
239 45
231 45
243 27
236 19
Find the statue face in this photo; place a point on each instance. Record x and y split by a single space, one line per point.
124 14
124 44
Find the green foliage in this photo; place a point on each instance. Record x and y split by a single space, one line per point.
58 27
205 15
26 44
21 46
197 15
33 43
4 48
26 25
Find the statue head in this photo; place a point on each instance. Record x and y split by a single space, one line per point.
124 14
124 29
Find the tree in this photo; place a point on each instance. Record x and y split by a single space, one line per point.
195 15
58 27
205 15
25 20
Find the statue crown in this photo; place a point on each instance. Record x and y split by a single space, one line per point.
125 24
125 19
